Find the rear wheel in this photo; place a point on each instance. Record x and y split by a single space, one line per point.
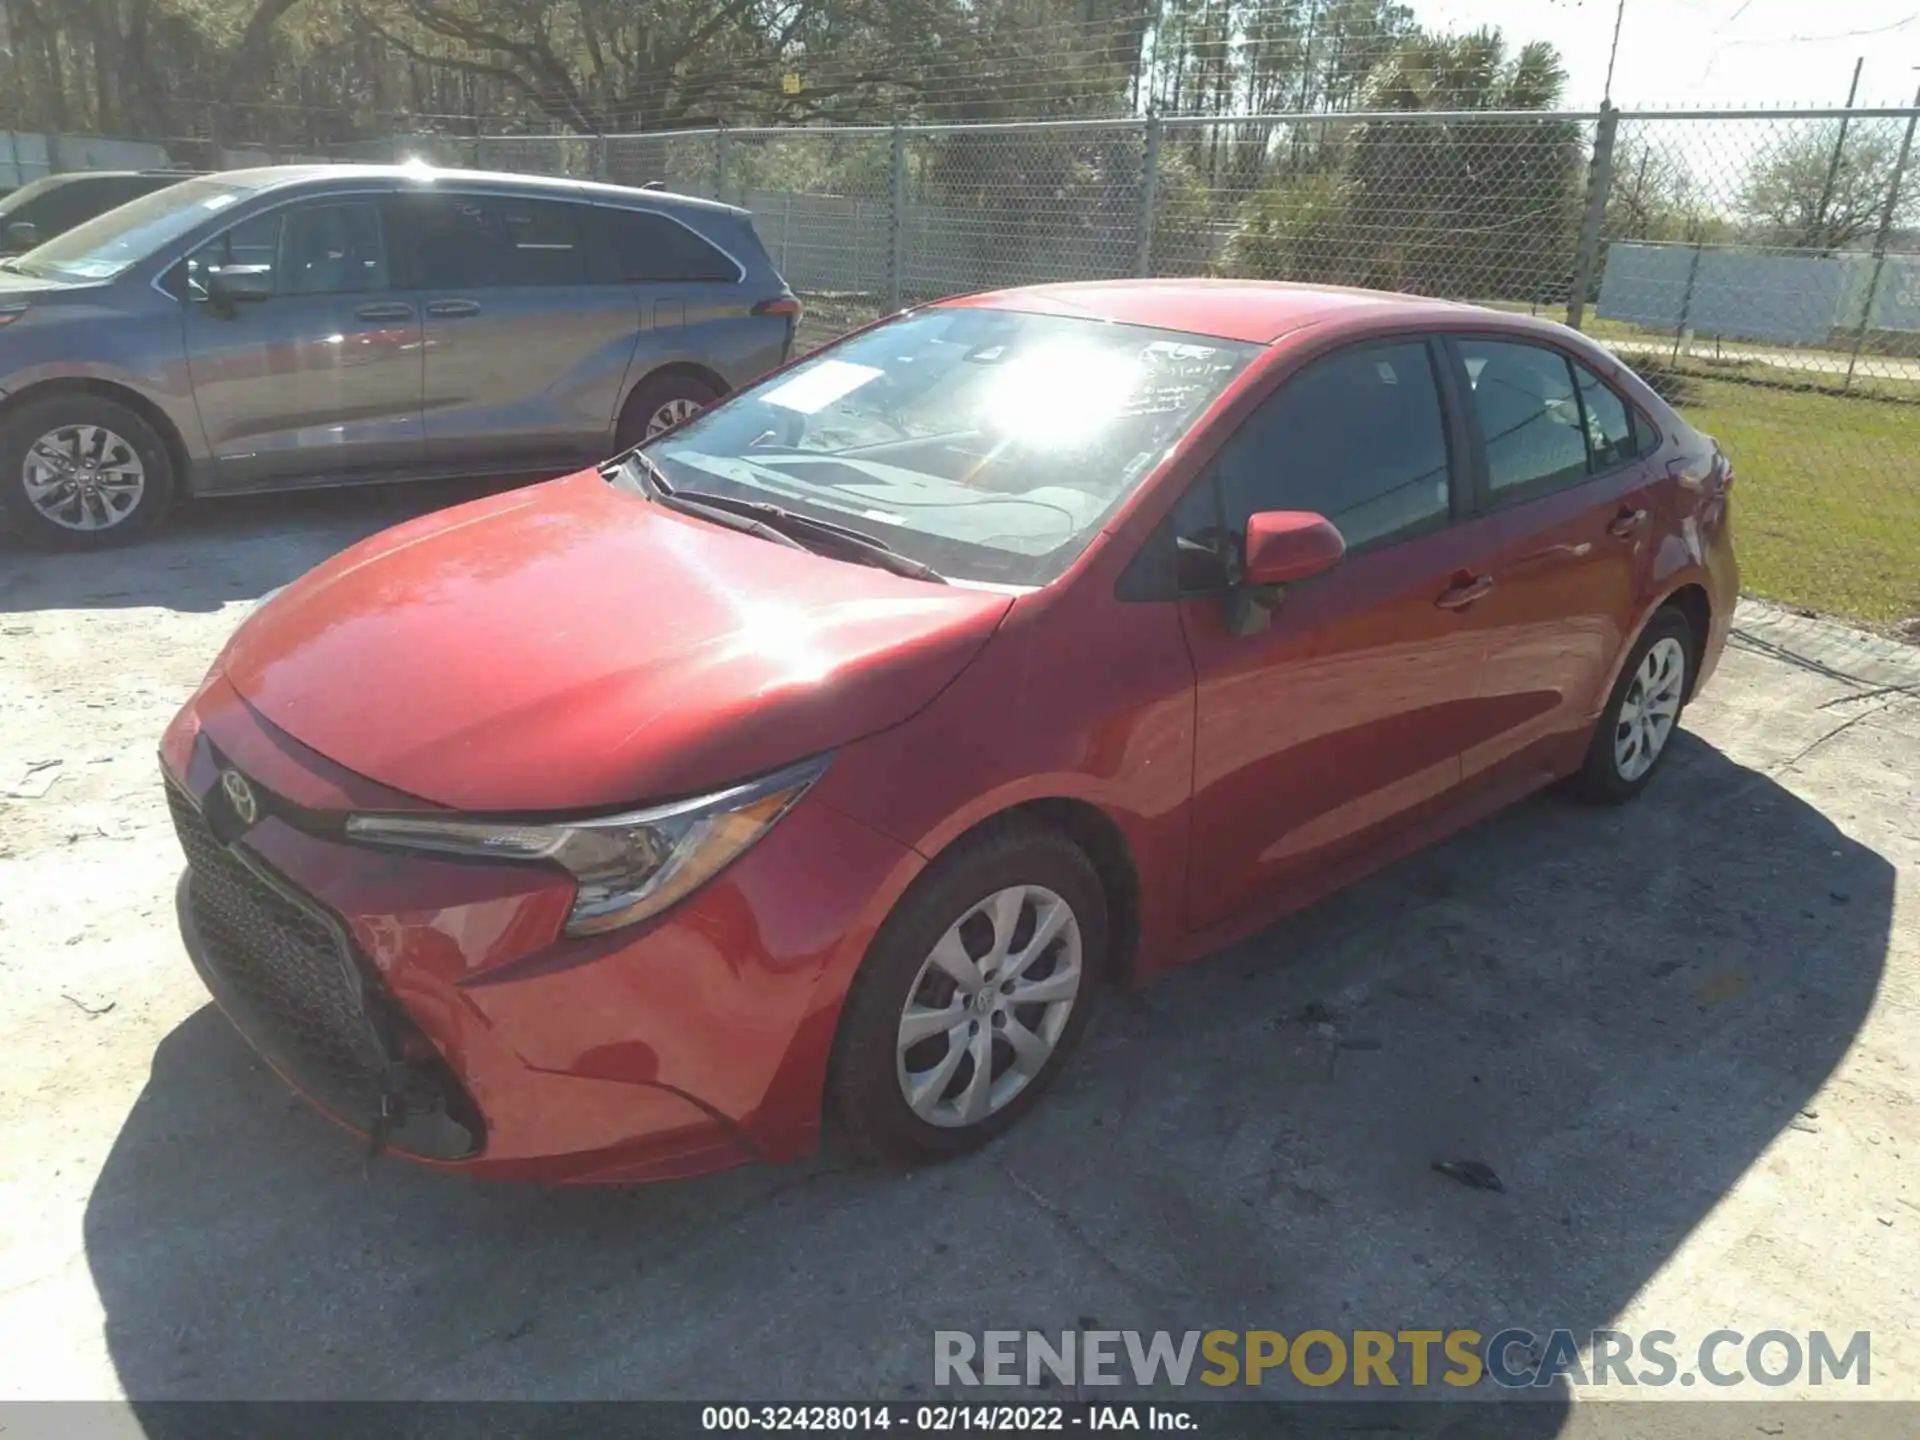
661 402
1636 729
80 471
972 996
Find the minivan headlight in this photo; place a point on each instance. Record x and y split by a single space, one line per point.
626 866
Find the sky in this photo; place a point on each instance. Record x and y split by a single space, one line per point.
1688 54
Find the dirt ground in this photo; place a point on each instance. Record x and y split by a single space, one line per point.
1686 1034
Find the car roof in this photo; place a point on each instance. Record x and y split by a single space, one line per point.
274 177
1258 311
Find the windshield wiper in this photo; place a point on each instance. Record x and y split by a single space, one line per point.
775 520
864 548
655 486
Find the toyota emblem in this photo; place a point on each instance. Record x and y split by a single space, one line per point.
240 796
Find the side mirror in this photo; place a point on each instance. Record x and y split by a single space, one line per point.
1281 546
1285 545
22 235
236 283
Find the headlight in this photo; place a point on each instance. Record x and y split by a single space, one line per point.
628 866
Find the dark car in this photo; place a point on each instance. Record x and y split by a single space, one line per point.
332 325
54 204
1248 590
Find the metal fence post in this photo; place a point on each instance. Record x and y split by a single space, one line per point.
1149 192
1599 184
600 157
1686 303
1880 241
722 156
897 221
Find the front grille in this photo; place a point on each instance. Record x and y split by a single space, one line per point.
297 990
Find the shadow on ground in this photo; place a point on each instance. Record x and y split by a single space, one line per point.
212 552
1616 1010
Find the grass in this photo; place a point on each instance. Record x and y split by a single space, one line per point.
1826 495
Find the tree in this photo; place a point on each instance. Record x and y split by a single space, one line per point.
1820 192
1474 209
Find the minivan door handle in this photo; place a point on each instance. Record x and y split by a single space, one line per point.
384 312
1465 589
453 309
1626 522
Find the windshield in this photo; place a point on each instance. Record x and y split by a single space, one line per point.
104 246
988 444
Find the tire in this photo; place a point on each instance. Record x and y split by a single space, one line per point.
1616 768
118 482
949 905
654 398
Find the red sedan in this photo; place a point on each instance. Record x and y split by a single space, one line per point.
828 754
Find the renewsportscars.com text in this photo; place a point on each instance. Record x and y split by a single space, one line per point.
1413 1359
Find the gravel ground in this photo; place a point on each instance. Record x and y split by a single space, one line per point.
1686 1034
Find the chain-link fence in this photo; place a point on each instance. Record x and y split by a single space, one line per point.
1761 268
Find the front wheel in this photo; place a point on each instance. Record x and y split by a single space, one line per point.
971 996
661 402
80 471
1636 729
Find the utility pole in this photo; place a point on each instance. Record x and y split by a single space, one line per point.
1619 16
1833 165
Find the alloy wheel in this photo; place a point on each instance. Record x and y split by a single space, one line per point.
670 415
83 477
1649 708
989 1005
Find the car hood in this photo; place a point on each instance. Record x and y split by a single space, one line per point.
572 646
15 286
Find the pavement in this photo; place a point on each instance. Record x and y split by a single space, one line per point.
1685 1034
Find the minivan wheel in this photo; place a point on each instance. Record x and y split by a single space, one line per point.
81 471
1636 729
971 996
660 403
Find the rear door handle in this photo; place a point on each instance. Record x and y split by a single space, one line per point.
384 312
1626 522
453 309
1464 590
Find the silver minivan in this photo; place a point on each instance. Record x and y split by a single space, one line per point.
318 325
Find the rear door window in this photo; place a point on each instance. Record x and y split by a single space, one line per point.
642 247
1529 416
478 242
1610 438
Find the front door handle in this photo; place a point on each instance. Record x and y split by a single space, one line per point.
453 309
1464 590
384 312
1626 522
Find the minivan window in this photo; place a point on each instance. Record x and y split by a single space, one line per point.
639 247
103 247
989 444
328 248
1357 437
467 242
59 202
